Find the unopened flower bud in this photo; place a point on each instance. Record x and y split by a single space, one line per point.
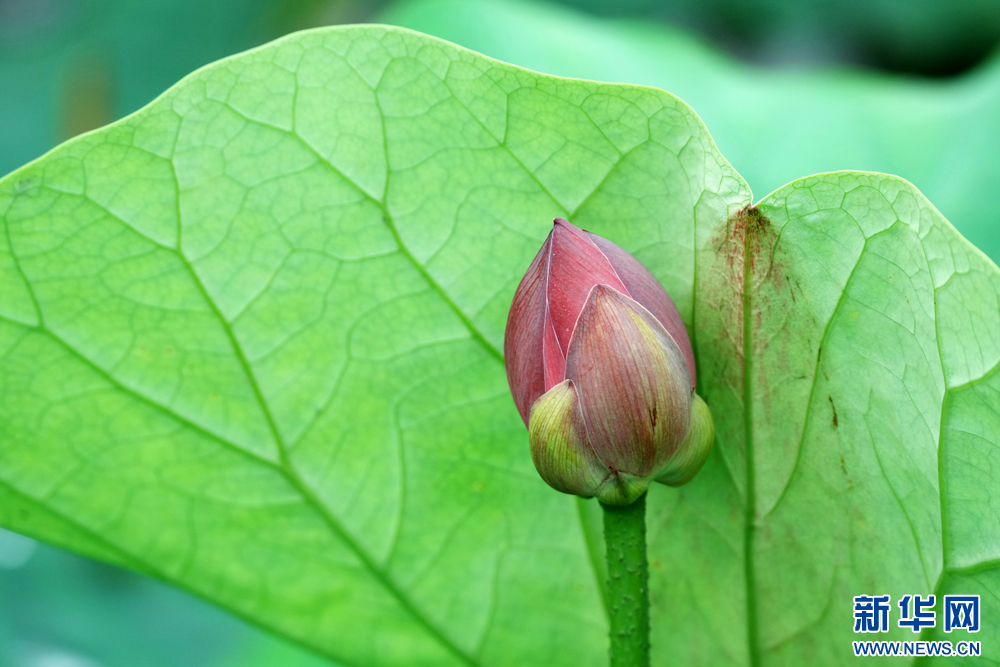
602 372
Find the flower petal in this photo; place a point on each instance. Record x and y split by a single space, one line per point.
633 383
647 290
523 351
575 265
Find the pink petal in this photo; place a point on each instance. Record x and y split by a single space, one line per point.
575 265
523 341
553 359
632 381
647 290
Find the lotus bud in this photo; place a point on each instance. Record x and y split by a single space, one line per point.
602 372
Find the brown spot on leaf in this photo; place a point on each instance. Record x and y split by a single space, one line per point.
843 469
834 414
749 246
744 245
746 288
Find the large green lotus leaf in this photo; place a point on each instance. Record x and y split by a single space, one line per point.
847 343
249 342
250 338
773 124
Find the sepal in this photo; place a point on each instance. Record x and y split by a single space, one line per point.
694 451
621 488
560 447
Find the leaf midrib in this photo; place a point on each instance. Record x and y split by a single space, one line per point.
753 648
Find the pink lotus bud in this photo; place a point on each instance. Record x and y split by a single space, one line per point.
602 372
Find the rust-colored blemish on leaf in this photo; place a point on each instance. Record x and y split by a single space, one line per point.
843 469
746 245
746 259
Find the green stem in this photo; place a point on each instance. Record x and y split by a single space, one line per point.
628 583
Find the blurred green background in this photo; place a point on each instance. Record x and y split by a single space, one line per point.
910 87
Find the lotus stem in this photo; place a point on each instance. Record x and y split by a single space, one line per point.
628 583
